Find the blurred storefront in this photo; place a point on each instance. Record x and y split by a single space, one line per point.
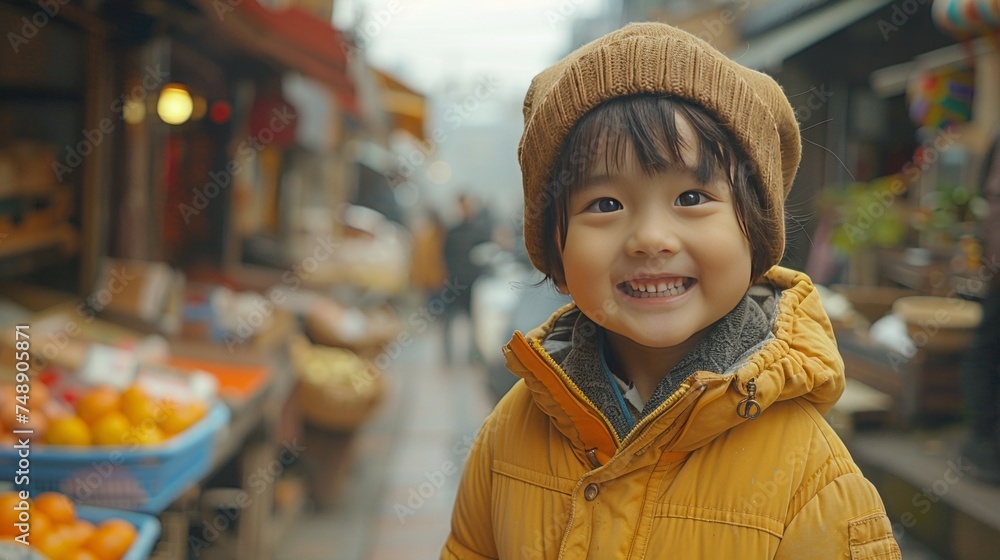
183 225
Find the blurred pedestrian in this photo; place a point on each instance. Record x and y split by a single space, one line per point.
980 379
674 409
472 229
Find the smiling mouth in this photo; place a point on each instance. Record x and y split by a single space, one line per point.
656 288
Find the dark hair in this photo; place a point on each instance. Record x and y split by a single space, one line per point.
646 124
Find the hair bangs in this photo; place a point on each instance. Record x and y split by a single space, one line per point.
645 127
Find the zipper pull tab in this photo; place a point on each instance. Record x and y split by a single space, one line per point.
748 407
592 456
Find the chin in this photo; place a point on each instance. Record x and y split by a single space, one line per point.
658 340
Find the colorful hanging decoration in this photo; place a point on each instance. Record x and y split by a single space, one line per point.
967 18
942 97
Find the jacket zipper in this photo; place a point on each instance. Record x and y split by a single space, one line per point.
574 389
643 424
749 408
634 433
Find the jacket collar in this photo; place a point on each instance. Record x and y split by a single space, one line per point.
801 360
728 342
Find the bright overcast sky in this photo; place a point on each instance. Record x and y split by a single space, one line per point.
427 43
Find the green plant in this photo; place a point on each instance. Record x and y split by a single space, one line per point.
866 215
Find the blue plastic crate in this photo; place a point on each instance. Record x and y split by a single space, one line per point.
144 478
148 528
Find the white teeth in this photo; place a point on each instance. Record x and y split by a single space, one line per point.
672 287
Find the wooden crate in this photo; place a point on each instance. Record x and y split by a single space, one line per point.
924 388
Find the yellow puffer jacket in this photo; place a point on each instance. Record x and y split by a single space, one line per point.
549 478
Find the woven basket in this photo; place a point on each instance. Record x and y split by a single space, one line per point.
330 401
338 412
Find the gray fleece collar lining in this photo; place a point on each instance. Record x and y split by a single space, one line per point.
573 343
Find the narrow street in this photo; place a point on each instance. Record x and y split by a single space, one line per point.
405 467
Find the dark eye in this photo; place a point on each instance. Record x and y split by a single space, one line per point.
691 198
605 205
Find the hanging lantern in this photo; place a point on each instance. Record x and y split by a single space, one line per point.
175 105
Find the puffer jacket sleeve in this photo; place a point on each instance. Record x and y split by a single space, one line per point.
471 535
845 519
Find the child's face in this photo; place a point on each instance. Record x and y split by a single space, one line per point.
659 258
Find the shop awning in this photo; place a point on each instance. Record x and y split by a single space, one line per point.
771 48
291 37
405 106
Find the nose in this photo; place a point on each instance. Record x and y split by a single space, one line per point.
652 234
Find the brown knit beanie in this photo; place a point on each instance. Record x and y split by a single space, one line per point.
655 58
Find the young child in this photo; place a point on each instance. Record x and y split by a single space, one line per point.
674 409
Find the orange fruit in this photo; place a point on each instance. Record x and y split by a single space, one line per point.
79 531
60 509
139 407
96 403
111 540
68 431
41 526
9 515
111 429
80 554
54 544
134 392
146 434
182 417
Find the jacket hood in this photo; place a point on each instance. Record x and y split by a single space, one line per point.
801 360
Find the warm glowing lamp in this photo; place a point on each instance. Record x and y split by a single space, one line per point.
134 111
175 105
